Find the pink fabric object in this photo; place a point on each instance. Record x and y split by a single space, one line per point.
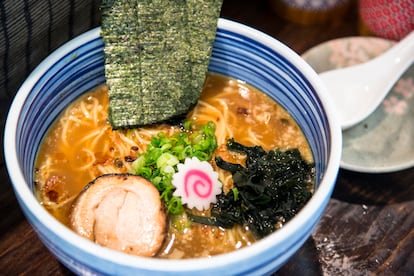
388 19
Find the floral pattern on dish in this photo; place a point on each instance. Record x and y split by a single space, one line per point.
383 142
398 102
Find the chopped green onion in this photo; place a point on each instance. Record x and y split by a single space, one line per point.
164 153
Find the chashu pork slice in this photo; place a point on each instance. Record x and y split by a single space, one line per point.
123 212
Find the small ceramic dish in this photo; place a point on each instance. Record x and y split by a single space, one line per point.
383 142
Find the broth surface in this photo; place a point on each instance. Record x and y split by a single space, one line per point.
81 146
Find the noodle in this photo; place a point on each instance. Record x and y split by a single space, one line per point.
81 146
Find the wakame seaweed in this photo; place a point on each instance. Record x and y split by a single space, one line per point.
271 188
156 57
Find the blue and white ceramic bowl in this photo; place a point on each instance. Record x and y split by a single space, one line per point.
239 52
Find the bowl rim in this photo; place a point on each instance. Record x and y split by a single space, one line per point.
26 195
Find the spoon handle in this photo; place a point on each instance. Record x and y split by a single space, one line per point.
386 70
371 81
399 57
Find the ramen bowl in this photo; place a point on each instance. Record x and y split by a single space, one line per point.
239 52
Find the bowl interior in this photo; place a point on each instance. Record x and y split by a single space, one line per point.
239 52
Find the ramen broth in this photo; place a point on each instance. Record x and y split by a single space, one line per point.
81 146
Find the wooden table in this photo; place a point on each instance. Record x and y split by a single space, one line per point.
368 226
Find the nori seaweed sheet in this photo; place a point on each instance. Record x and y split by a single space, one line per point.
156 57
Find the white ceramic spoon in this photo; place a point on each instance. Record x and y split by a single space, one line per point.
359 89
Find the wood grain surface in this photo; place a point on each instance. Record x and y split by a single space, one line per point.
368 227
